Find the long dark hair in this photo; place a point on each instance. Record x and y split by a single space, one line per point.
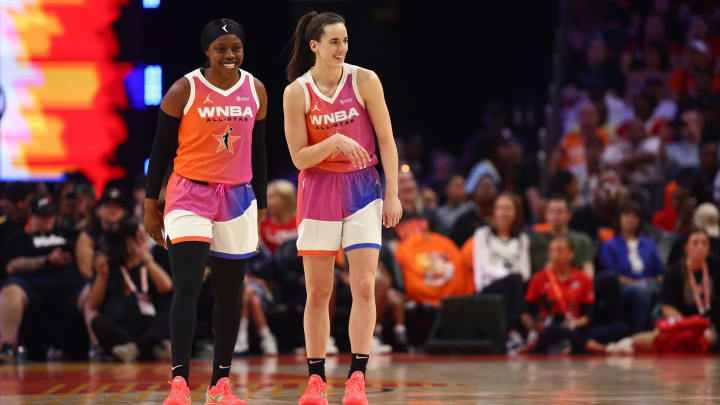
310 27
518 223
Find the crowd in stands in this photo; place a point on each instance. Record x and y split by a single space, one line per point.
620 246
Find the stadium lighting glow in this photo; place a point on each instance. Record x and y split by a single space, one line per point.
153 85
151 3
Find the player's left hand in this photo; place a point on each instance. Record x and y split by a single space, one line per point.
392 211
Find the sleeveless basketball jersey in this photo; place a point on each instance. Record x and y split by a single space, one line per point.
215 135
344 113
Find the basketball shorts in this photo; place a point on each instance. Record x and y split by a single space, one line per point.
338 210
224 216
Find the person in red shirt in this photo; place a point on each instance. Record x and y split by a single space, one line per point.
560 300
680 204
279 225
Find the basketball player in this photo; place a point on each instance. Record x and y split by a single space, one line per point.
331 109
215 197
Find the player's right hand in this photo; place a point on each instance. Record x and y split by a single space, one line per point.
349 147
154 222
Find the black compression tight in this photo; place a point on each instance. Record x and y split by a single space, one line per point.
227 278
187 261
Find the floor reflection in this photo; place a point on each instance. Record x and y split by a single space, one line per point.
392 380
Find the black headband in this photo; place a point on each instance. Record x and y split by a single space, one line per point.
218 30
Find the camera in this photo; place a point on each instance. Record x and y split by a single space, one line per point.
113 243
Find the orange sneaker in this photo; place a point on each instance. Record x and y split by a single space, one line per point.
355 390
179 392
316 392
222 394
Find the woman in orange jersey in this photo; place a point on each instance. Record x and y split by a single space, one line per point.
215 197
332 110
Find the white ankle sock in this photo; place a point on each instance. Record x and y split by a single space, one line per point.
265 333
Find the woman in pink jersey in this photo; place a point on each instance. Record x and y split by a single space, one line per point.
331 109
216 196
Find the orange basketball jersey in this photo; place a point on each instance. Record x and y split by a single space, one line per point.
215 135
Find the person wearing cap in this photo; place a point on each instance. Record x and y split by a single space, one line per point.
127 294
109 212
43 276
682 80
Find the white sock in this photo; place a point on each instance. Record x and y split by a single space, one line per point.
400 328
265 332
378 330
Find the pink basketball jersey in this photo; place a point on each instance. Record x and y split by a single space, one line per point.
215 134
344 113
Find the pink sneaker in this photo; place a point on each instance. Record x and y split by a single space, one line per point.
222 394
179 392
316 392
355 390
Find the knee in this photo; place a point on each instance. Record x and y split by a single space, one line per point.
13 294
248 294
363 290
229 298
255 301
319 296
188 291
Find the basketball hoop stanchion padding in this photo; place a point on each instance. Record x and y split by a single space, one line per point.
474 324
